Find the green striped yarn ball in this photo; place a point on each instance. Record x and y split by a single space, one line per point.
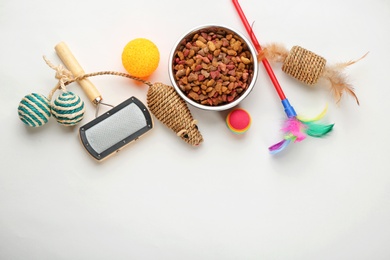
34 110
68 109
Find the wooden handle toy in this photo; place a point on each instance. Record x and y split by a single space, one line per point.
72 64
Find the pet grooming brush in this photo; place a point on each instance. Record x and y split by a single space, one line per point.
111 131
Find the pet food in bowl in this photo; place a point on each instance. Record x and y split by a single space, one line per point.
213 67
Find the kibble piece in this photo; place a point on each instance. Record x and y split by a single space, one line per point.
211 46
200 44
245 60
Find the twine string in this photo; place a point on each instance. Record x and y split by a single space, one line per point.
65 77
62 74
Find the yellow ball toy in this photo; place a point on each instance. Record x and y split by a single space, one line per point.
140 57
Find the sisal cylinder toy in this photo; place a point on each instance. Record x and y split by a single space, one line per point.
68 109
34 110
304 65
238 121
309 67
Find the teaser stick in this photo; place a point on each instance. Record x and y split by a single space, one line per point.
294 128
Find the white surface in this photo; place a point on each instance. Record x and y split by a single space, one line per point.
227 199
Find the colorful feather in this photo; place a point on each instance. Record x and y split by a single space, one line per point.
297 128
279 146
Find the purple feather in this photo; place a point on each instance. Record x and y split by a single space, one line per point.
279 146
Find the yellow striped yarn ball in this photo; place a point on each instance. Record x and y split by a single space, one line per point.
140 57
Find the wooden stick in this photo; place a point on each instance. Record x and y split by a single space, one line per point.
72 64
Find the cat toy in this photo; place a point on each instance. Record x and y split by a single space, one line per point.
308 67
34 110
121 125
238 121
162 100
68 108
295 128
112 131
140 57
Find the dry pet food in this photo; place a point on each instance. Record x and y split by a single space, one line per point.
213 67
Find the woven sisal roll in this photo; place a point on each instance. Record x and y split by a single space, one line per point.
304 65
309 67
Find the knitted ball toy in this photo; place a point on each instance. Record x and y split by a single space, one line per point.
140 57
238 121
34 110
68 109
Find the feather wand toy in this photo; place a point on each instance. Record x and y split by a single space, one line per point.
295 128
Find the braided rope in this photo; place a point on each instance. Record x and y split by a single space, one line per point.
65 77
163 101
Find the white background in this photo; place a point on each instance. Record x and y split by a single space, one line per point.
229 198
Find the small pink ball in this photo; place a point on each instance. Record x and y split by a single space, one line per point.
238 121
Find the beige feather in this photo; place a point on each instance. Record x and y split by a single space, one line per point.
338 79
274 52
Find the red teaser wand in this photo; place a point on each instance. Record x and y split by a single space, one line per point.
295 129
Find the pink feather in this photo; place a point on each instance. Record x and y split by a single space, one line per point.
296 128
